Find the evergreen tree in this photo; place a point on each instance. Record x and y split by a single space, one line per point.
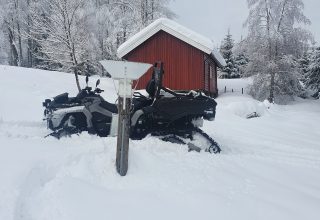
230 70
313 75
241 62
303 65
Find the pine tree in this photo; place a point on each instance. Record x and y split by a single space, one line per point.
303 65
241 62
230 69
313 75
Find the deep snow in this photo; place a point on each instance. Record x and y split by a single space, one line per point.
269 167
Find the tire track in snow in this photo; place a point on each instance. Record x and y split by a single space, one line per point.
37 178
23 129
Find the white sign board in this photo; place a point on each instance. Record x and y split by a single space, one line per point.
125 69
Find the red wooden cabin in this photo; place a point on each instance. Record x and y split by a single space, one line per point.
190 61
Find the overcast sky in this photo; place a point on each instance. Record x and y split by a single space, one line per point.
212 18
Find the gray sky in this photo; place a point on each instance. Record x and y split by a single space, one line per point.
212 18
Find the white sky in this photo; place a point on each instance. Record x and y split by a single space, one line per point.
212 18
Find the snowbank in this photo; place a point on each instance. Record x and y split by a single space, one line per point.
245 108
268 169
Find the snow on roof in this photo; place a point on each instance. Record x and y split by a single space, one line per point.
198 41
218 57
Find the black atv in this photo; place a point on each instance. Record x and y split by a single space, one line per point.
172 116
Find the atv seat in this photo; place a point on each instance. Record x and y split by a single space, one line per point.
110 107
62 98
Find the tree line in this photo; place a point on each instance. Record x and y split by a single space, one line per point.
271 53
71 35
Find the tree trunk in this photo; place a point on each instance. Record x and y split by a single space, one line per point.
146 13
75 62
16 6
77 79
71 48
20 45
29 41
152 10
13 48
271 96
276 56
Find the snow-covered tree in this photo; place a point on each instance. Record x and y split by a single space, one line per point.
241 62
151 10
230 70
287 74
241 57
313 74
303 65
59 28
11 19
31 27
274 35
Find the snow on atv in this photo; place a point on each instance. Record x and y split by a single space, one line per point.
172 116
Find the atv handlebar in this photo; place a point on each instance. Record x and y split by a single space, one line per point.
89 89
97 90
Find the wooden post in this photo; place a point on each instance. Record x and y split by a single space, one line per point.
225 89
242 91
125 72
232 90
123 136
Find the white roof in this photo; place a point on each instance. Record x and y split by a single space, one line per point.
190 37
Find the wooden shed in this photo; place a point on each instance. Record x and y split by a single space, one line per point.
190 61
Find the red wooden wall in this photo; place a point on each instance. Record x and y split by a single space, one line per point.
183 63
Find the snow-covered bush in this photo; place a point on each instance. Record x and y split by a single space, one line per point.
286 81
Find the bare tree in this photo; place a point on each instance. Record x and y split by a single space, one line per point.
65 34
60 31
12 21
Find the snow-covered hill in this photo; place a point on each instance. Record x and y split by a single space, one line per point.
269 167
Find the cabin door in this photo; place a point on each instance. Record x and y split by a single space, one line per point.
211 79
206 76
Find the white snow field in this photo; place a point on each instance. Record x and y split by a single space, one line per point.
269 167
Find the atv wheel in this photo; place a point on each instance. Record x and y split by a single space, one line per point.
140 130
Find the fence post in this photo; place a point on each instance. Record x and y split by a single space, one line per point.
242 91
232 90
225 89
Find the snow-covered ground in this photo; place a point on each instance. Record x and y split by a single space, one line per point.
269 167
